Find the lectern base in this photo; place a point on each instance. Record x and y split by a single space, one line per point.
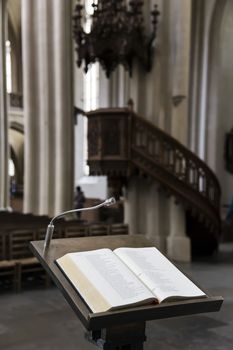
125 337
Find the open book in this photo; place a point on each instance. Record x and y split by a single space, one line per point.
109 280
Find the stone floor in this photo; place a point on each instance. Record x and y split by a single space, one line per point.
42 320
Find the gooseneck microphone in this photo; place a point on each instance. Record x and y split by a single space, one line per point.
50 228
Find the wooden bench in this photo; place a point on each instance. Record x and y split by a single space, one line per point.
98 230
119 229
58 233
16 260
19 253
76 231
8 268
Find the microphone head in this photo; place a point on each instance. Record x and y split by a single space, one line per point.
110 201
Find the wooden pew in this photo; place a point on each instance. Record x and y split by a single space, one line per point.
119 229
76 231
8 268
19 253
98 230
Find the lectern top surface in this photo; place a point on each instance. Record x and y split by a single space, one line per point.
92 321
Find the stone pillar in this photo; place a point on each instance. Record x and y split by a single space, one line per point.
131 211
104 90
114 91
150 212
178 244
47 78
63 91
4 148
180 34
163 222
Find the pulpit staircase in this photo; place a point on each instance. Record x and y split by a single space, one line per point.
121 145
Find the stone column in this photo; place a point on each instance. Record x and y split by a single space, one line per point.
31 108
131 211
178 244
63 96
150 204
150 92
104 90
47 80
4 148
114 91
180 13
163 215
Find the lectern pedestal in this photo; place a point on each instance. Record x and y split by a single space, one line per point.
126 337
114 330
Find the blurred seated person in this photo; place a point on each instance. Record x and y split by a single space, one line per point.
79 200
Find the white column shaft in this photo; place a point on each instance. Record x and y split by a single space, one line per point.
47 59
4 148
63 92
178 244
31 106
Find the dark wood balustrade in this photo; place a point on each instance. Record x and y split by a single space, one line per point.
120 141
177 168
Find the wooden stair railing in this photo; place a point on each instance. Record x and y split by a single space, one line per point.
120 141
178 169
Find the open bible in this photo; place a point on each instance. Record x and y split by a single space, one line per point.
109 280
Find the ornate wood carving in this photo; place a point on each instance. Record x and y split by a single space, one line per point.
108 142
111 140
126 141
93 135
117 35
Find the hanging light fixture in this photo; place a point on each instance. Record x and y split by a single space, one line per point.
117 35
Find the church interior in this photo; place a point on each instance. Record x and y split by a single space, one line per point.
128 99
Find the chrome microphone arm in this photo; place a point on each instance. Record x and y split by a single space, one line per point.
50 227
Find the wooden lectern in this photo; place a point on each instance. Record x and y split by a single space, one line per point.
114 330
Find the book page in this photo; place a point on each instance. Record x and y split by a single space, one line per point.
158 273
108 276
94 299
